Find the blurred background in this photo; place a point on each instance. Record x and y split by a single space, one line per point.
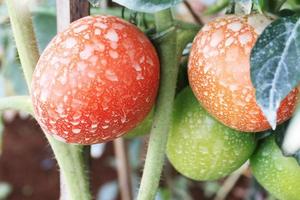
28 169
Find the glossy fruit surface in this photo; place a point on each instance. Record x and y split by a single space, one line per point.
219 73
278 174
202 148
95 81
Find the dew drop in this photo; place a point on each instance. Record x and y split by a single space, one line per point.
94 126
91 74
137 67
70 42
105 126
80 28
110 75
217 37
76 130
100 25
113 54
123 119
235 26
77 115
139 76
112 35
97 31
87 52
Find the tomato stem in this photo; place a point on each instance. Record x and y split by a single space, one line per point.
70 158
21 24
169 47
21 103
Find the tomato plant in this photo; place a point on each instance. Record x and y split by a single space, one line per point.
278 174
202 148
100 77
219 73
95 81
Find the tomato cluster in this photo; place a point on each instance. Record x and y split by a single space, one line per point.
99 78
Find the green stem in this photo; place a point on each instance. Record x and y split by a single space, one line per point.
21 103
279 4
72 166
168 51
70 158
24 35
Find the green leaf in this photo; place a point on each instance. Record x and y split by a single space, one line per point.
148 6
274 65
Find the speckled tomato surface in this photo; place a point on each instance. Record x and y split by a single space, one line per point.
219 73
95 81
202 148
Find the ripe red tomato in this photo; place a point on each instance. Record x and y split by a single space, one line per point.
95 81
219 73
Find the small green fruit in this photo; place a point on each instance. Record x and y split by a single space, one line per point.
143 128
202 148
278 174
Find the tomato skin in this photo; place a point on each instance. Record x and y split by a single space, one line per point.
202 148
219 73
95 81
278 174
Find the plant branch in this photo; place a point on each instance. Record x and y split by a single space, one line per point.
230 182
162 117
123 168
21 103
72 166
279 4
193 13
21 23
168 46
69 157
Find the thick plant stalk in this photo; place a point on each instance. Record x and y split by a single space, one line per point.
170 50
162 117
24 35
69 157
21 103
72 166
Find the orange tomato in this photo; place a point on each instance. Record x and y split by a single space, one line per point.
219 73
95 81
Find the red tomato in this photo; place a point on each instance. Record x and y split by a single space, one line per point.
219 73
95 81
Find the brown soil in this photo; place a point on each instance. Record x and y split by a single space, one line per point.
27 163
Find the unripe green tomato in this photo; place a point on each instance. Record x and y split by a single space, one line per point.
143 128
202 148
278 174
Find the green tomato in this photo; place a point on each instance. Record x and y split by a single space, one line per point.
143 128
202 148
280 175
